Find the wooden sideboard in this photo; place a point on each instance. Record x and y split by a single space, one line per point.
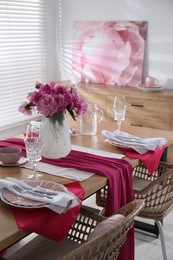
144 109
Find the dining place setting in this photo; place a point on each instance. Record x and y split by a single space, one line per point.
148 150
35 194
37 201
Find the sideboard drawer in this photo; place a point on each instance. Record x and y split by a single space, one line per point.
142 123
147 123
149 109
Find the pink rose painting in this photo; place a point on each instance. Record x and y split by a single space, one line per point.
109 52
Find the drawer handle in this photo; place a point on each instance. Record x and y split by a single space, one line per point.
137 125
136 105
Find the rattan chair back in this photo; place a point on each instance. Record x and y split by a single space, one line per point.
157 191
79 245
106 245
138 172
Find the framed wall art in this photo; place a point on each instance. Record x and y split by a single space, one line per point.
109 52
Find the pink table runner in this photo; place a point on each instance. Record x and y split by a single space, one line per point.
117 171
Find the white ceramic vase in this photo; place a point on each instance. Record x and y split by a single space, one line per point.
56 136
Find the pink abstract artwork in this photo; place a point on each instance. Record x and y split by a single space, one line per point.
109 52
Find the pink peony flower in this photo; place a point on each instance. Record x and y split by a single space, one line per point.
52 99
109 52
26 109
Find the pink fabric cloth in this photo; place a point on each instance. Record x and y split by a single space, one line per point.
150 159
117 171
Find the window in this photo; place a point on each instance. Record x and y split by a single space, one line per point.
24 55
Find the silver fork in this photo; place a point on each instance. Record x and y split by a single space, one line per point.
34 193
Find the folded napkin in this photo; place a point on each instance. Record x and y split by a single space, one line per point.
139 144
59 201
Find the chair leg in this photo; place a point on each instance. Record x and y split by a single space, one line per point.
162 239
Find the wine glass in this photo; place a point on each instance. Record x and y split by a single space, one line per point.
33 129
34 147
119 109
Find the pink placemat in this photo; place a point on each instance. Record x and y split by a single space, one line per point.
150 159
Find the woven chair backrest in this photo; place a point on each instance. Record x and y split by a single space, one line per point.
158 196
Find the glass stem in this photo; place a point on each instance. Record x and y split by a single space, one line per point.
34 169
119 125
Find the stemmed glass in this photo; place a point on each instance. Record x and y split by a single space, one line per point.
33 129
119 109
34 146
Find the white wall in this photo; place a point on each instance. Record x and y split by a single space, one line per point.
159 44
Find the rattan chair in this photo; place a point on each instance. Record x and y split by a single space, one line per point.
157 191
140 172
79 244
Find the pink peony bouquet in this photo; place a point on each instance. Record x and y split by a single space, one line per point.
53 100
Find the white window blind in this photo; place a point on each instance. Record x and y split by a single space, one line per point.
23 58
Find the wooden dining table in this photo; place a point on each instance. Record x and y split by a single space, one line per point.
9 231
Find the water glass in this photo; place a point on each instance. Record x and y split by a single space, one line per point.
33 129
34 147
89 121
119 109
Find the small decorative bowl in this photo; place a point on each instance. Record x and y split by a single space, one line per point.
10 155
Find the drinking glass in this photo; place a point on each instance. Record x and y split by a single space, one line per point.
89 121
34 147
33 129
119 109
